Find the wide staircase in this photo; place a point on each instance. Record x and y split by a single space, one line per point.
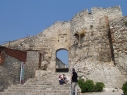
44 85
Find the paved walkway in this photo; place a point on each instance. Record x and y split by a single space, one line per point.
104 93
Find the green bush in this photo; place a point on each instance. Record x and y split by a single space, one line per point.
81 83
124 88
99 86
88 86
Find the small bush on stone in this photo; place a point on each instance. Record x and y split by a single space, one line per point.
99 86
124 88
89 86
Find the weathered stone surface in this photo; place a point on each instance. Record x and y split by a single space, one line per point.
9 72
3 75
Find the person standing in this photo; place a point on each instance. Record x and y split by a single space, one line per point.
74 81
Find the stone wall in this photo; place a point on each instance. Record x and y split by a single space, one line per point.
104 72
9 72
54 37
57 33
111 12
13 67
49 41
118 29
31 64
94 45
1 58
16 44
94 50
4 79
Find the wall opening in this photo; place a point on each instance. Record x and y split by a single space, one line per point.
62 60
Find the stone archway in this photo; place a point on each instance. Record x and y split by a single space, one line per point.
62 57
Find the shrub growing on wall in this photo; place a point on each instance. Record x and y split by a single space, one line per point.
124 88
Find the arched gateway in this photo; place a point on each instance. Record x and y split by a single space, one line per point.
49 42
62 60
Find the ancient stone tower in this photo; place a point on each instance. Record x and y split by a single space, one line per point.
95 41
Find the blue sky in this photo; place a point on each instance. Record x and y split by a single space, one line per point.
22 18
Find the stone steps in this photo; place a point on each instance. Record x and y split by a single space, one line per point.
31 93
42 91
45 85
34 88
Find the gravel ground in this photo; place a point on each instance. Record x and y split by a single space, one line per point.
104 93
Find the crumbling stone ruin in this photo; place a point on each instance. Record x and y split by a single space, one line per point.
96 43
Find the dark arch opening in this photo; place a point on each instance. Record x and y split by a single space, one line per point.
62 60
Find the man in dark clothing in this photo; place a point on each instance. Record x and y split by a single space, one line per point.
74 81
